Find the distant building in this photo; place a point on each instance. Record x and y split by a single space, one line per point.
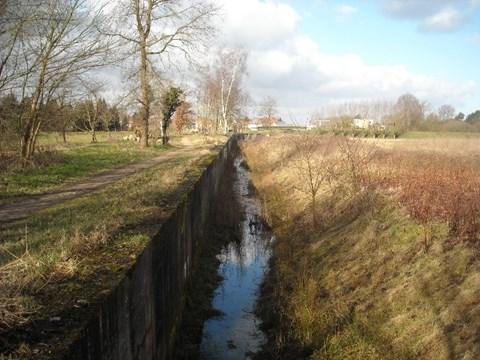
319 123
280 123
272 121
363 123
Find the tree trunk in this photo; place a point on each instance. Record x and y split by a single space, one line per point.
145 93
94 136
33 143
64 135
33 125
29 140
164 133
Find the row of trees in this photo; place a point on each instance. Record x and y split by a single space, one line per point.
51 48
407 113
89 114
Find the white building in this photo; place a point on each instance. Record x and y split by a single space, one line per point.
363 123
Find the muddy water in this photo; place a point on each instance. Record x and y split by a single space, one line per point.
236 334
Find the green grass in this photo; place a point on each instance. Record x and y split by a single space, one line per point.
78 161
122 203
81 248
53 140
439 134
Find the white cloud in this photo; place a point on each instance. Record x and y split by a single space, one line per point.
346 10
255 23
293 68
438 15
447 19
314 78
423 8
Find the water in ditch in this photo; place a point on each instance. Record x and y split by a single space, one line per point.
236 334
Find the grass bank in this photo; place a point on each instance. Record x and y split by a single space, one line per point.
70 255
57 163
360 284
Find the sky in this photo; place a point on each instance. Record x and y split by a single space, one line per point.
308 54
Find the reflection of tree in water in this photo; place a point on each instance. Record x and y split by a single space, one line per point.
254 225
243 263
248 236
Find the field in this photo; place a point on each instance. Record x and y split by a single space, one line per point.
439 135
57 163
383 262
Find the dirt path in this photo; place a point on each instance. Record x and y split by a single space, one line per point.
28 205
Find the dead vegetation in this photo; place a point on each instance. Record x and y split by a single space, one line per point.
30 272
394 265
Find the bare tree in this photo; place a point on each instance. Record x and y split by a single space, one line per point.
92 111
355 161
268 109
207 101
446 112
61 118
151 29
313 165
409 112
12 22
59 42
376 109
232 68
220 94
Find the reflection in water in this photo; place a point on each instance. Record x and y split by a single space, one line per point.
243 265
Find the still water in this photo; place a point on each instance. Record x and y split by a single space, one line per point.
244 262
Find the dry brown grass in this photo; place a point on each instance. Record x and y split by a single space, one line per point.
363 287
86 243
445 146
29 273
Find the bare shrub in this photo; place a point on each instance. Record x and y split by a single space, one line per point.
355 164
460 204
438 188
313 163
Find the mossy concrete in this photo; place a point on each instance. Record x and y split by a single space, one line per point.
139 318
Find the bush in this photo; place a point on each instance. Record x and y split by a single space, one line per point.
439 189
